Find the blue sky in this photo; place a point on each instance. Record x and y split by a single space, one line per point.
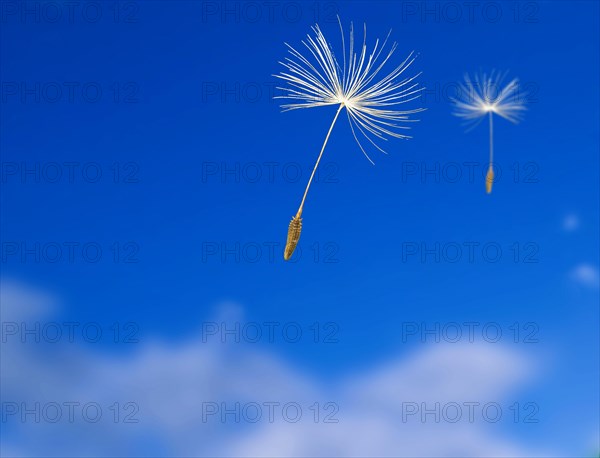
186 95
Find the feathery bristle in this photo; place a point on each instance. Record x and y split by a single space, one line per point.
484 94
357 81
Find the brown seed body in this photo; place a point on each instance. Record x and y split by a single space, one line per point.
489 180
294 230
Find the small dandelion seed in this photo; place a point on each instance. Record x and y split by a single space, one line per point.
317 79
483 96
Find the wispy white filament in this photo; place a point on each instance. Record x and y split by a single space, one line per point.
483 96
317 79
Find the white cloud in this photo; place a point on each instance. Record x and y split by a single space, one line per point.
586 275
571 223
170 383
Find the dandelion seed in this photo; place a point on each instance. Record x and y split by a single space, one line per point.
482 97
317 79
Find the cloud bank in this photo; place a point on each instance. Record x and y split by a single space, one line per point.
195 398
